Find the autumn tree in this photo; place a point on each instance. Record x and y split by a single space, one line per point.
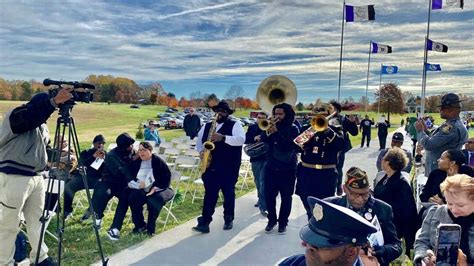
153 98
234 92
391 100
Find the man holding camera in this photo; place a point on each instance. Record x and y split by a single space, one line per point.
23 141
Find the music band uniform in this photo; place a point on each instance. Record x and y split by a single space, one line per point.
316 173
223 171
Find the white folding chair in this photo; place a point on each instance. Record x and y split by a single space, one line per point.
420 183
191 152
182 147
186 167
164 146
111 146
171 153
244 173
176 140
175 177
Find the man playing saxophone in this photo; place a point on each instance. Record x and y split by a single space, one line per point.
222 170
316 173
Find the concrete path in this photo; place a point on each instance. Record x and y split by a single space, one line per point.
246 243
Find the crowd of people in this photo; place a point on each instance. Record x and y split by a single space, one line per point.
343 209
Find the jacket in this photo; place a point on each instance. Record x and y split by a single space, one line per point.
24 137
161 172
252 132
392 247
426 239
117 168
87 159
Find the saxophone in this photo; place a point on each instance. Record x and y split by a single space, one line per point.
208 147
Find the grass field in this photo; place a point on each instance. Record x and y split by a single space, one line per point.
111 120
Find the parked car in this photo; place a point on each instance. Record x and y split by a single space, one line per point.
171 110
179 122
171 124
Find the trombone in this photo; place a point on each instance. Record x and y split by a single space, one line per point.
319 123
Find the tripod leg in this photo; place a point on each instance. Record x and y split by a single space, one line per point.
86 187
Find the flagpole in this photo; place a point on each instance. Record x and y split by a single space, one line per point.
368 71
340 54
425 60
380 87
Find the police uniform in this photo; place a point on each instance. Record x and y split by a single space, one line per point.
316 173
452 134
332 226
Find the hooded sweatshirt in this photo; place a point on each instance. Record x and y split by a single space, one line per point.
116 171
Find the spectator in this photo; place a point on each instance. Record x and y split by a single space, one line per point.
334 236
410 128
468 152
366 129
191 124
382 131
150 174
397 141
395 190
459 193
359 199
88 157
23 156
151 133
450 135
114 183
451 162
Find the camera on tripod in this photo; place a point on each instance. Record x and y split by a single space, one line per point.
81 93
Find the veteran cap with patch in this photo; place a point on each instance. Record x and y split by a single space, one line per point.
357 178
333 226
450 100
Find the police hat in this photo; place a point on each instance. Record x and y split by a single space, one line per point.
333 226
450 100
397 136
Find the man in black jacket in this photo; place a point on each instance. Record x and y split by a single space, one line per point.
114 183
191 124
88 157
280 168
252 137
349 126
366 129
358 198
23 140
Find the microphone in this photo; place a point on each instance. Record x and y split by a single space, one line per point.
75 84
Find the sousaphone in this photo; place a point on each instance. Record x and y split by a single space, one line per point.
274 90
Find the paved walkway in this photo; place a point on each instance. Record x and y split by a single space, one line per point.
246 243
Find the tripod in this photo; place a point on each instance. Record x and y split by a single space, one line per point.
65 122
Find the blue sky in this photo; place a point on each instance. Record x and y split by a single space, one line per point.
208 46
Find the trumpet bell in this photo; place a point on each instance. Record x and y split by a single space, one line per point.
264 125
319 123
274 90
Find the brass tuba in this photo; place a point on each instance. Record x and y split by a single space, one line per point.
271 91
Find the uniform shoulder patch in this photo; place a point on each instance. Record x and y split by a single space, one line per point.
446 127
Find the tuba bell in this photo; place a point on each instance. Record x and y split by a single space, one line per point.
274 90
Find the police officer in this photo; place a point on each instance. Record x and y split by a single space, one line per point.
450 135
316 173
366 129
359 199
334 236
348 125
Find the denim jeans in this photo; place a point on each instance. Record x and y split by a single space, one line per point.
257 170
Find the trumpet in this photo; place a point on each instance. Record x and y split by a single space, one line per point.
266 124
319 123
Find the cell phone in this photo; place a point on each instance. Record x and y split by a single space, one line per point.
449 236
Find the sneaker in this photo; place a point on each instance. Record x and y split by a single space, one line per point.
281 229
141 230
98 223
113 234
48 262
269 227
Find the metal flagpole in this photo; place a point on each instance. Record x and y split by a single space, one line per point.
340 54
368 71
425 60
380 86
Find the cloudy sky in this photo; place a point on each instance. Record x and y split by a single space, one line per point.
208 46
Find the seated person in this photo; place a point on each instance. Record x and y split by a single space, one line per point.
151 133
93 175
359 199
150 175
335 235
114 183
458 191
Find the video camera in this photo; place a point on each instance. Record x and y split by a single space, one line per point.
81 93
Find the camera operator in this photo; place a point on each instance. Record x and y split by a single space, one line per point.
23 141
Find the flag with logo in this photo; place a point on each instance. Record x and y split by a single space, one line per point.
436 46
360 13
381 48
440 4
432 67
389 69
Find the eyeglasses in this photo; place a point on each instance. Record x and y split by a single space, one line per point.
354 194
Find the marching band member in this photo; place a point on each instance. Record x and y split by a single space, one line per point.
223 170
316 173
